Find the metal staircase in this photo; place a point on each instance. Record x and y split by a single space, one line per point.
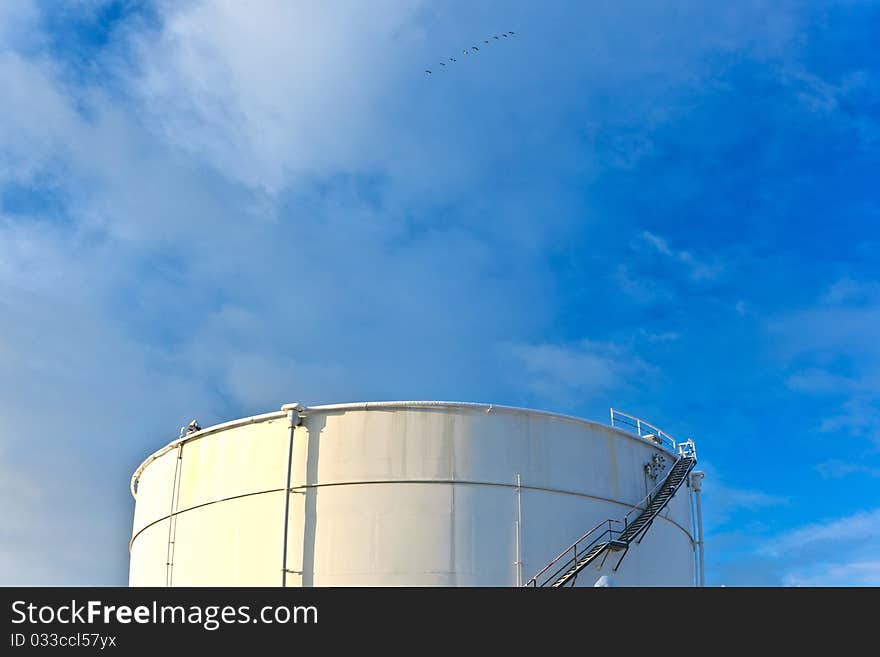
617 535
668 487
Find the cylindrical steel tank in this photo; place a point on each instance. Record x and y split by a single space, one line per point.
398 493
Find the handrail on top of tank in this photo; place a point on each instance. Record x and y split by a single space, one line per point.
644 429
686 449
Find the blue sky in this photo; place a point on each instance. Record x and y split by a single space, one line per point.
670 208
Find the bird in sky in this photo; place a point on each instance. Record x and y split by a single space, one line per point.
474 49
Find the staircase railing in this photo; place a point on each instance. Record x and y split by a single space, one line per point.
643 505
607 530
612 529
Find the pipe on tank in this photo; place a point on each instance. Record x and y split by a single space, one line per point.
295 418
697 483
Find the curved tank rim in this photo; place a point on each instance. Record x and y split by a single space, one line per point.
375 406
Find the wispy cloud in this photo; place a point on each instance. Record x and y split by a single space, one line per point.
839 532
642 289
856 573
843 101
833 351
841 321
724 503
698 269
836 469
836 552
564 371
661 337
658 273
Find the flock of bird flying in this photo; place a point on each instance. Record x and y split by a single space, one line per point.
475 49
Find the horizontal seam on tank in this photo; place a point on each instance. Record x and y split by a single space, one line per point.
198 506
293 489
484 483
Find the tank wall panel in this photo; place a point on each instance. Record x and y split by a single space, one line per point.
154 491
239 461
149 555
233 543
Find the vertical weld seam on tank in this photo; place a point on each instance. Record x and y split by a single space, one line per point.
449 432
518 528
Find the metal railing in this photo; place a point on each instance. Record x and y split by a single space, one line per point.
607 529
613 529
642 505
648 431
688 449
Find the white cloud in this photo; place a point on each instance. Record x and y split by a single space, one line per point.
277 90
857 416
642 289
191 270
18 22
857 573
836 552
837 469
840 102
662 337
856 529
698 269
815 380
38 121
849 290
585 368
723 502
841 322
639 279
832 350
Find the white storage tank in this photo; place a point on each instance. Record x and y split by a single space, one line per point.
403 494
